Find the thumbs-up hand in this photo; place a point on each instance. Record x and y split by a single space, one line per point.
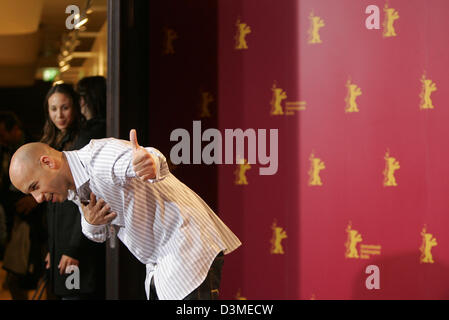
143 163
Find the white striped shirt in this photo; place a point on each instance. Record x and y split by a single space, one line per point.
162 222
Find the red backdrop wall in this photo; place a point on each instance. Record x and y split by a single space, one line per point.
383 194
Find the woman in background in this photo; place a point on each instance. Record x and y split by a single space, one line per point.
92 91
67 244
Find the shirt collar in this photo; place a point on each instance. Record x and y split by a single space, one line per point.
79 173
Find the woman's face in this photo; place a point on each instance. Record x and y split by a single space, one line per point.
60 110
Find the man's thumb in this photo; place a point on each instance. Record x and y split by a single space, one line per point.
133 139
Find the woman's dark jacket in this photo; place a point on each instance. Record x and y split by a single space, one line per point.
65 236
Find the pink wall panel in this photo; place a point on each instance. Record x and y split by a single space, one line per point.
353 146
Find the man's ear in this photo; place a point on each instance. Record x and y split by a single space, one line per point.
47 161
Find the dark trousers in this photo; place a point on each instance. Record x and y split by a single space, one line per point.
208 290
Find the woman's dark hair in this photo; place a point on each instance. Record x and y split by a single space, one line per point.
93 90
51 134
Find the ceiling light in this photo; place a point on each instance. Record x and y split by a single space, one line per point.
82 21
65 68
89 9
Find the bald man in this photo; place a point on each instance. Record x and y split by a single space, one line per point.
166 225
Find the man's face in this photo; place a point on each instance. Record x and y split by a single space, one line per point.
44 184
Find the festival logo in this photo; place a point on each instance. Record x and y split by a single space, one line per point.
279 234
206 100
354 238
290 107
391 15
240 38
276 100
428 86
316 23
353 92
316 165
170 36
428 242
391 165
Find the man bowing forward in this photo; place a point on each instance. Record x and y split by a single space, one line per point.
166 225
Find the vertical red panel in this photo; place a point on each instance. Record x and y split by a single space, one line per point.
352 145
245 82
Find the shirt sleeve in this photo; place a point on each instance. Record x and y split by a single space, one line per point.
111 159
95 233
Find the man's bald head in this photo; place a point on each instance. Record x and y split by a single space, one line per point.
28 159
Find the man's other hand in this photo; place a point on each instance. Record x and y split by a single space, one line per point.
97 212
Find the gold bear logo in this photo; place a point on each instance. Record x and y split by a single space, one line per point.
353 238
391 15
240 39
316 165
391 165
170 36
206 100
428 86
316 23
279 234
276 100
428 242
353 92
